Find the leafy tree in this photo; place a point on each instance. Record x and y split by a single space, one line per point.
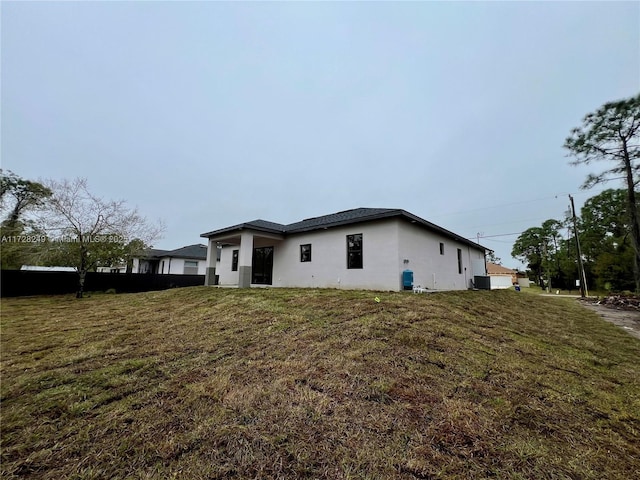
528 248
606 239
604 233
550 243
493 258
611 134
19 197
539 247
88 232
604 220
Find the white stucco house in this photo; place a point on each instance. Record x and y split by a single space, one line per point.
501 277
363 248
189 260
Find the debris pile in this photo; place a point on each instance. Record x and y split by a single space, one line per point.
620 302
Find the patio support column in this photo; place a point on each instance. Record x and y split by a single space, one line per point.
245 258
212 256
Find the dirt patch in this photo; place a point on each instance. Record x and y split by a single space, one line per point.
626 318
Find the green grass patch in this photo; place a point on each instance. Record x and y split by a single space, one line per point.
287 383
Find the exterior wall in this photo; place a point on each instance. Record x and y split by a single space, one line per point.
328 265
386 244
175 266
223 267
202 266
141 266
524 282
431 269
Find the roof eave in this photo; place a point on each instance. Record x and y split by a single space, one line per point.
239 228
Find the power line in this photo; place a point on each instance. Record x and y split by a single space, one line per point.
492 236
506 242
523 202
537 219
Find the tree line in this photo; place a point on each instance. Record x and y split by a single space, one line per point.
604 234
608 230
61 223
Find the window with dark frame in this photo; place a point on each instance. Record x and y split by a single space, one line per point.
354 251
441 248
305 252
234 261
459 261
190 267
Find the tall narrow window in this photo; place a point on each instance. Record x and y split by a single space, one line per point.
234 261
354 251
305 253
459 261
441 248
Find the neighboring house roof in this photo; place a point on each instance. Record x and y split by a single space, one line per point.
155 253
346 217
495 269
190 251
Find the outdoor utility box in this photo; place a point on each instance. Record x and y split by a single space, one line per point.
482 282
407 280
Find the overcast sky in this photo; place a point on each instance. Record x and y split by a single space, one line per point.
212 114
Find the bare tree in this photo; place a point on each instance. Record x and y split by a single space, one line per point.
86 231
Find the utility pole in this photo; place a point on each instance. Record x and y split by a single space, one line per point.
545 264
583 277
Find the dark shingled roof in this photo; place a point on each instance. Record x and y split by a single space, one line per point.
191 251
154 252
341 218
346 217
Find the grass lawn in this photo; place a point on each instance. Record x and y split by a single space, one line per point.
283 383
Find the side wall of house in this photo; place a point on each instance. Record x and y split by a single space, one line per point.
433 268
202 266
328 265
171 265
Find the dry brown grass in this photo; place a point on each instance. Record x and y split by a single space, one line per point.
211 383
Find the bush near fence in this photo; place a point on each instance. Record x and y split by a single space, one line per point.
17 283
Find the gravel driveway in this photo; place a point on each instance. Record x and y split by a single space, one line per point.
629 320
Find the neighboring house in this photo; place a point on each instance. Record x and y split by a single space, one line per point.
112 269
363 248
189 260
501 277
37 268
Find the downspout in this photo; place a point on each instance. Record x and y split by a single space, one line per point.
470 263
